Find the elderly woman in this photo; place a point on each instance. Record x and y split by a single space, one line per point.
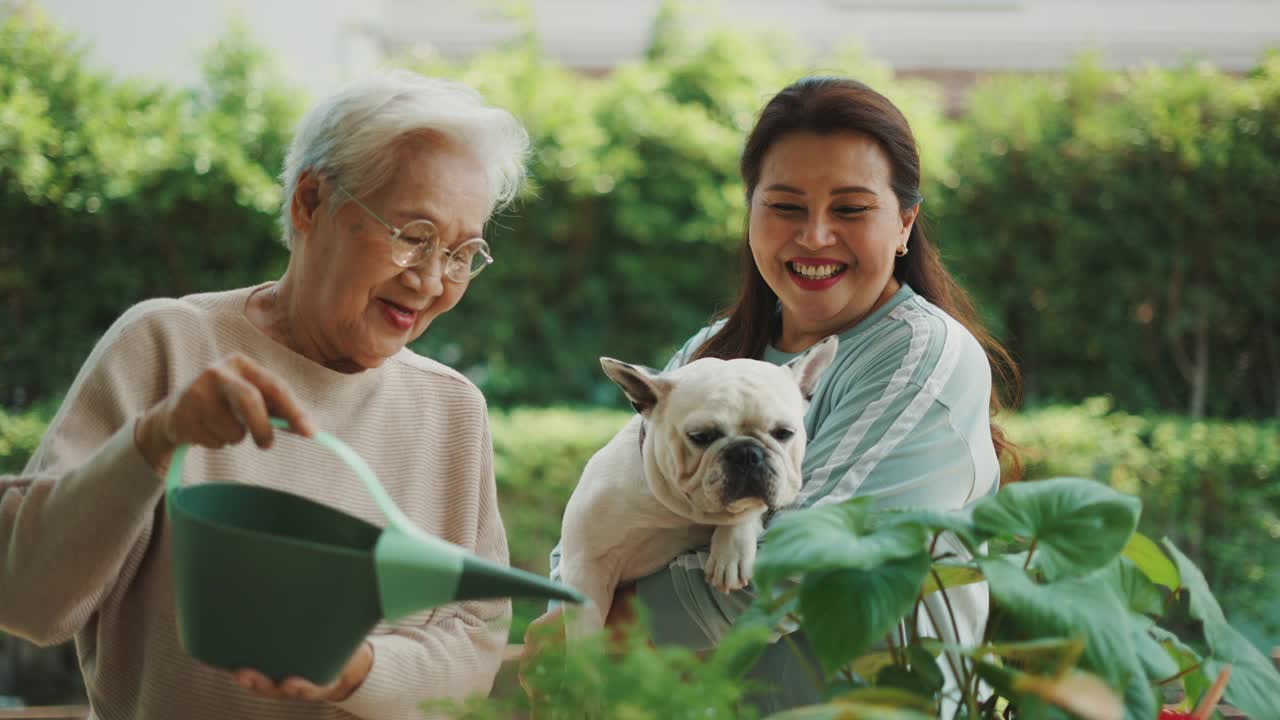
388 185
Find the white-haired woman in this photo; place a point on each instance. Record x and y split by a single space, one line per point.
388 186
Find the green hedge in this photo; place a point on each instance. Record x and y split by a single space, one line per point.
1114 226
1213 487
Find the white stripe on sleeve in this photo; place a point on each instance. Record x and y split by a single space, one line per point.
858 430
914 412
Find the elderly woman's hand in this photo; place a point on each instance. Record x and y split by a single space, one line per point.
230 399
296 688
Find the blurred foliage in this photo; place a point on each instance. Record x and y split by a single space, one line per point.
623 678
1113 226
114 191
1115 230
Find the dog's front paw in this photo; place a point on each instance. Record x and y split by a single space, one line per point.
733 555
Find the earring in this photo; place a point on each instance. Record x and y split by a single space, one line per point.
902 250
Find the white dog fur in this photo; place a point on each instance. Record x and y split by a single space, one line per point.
715 445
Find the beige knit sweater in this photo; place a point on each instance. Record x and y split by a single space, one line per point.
84 546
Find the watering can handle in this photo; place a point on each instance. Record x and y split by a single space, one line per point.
395 517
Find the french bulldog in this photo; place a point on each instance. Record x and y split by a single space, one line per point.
714 446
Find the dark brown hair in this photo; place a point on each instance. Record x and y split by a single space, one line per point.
827 105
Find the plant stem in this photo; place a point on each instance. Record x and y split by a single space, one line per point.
963 678
893 650
1030 551
915 619
947 656
1179 676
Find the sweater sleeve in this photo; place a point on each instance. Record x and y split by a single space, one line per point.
453 651
85 501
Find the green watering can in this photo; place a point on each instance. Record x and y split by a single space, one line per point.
273 581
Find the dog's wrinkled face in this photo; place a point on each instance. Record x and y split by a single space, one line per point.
724 440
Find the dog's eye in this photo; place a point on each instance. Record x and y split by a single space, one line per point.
782 434
703 438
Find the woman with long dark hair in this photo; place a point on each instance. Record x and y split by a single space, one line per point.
834 245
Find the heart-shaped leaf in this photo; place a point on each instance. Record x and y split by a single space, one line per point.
845 611
1144 553
1255 685
1077 525
959 522
1067 608
832 537
1132 586
1188 662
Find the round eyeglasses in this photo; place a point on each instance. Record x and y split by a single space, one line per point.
416 242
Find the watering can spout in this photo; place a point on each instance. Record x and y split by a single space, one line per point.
417 571
484 579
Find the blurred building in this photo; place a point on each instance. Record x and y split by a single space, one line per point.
948 41
322 42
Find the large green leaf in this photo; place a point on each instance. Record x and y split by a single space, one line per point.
833 537
925 664
1131 585
1188 661
1077 525
1157 663
1144 553
1143 599
1067 608
959 522
1255 685
845 611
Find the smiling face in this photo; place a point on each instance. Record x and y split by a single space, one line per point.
824 229
350 306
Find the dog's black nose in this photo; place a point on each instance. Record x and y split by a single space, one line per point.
747 472
745 455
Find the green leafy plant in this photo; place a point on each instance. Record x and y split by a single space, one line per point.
1082 611
622 677
1080 605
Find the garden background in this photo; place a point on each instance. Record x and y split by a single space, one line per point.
1117 229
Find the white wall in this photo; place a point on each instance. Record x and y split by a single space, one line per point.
316 42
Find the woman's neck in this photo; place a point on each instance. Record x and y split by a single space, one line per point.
795 338
271 311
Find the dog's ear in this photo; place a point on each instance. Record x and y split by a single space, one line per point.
642 385
808 368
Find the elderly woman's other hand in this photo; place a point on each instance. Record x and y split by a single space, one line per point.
297 688
232 398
